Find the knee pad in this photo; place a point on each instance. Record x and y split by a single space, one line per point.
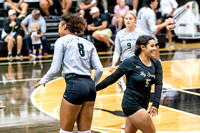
88 131
62 131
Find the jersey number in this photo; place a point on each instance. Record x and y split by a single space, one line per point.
129 45
81 49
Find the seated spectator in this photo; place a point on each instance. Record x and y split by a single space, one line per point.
45 5
104 5
119 10
66 5
18 5
100 29
11 34
167 7
34 17
84 6
36 41
133 4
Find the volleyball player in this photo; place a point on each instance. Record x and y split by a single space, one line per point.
75 55
125 42
141 70
146 21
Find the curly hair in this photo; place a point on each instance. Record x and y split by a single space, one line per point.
74 23
142 40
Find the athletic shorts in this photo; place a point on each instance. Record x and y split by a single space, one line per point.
107 32
79 89
15 37
5 5
37 46
131 104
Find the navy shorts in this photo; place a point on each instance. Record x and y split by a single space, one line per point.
79 89
131 103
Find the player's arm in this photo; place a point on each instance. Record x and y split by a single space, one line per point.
152 23
110 79
55 65
96 65
116 54
158 89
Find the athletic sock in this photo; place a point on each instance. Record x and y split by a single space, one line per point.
62 131
88 131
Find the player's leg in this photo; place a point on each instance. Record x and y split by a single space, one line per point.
129 127
142 121
84 120
68 115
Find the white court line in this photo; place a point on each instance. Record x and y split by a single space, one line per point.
189 92
54 115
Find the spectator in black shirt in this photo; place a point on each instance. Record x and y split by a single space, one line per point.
100 29
141 70
11 34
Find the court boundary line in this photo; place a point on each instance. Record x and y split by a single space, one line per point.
56 117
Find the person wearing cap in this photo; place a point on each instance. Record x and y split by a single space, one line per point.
99 27
84 6
18 5
11 34
34 17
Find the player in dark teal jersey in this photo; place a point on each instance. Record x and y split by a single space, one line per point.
142 71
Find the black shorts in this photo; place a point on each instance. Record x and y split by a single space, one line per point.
37 46
79 89
131 104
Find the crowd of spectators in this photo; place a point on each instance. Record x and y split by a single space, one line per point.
99 25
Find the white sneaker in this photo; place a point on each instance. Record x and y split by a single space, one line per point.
123 126
111 41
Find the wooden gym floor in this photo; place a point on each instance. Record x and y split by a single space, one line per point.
29 111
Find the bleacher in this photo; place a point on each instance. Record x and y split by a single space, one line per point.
52 26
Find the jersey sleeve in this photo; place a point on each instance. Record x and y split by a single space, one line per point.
125 66
117 49
174 4
152 22
110 79
56 63
158 85
96 64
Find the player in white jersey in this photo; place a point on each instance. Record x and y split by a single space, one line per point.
75 55
146 21
125 42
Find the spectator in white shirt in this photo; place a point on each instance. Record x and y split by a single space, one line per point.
167 7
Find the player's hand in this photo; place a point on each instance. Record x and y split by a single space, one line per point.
153 111
112 68
167 21
37 85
